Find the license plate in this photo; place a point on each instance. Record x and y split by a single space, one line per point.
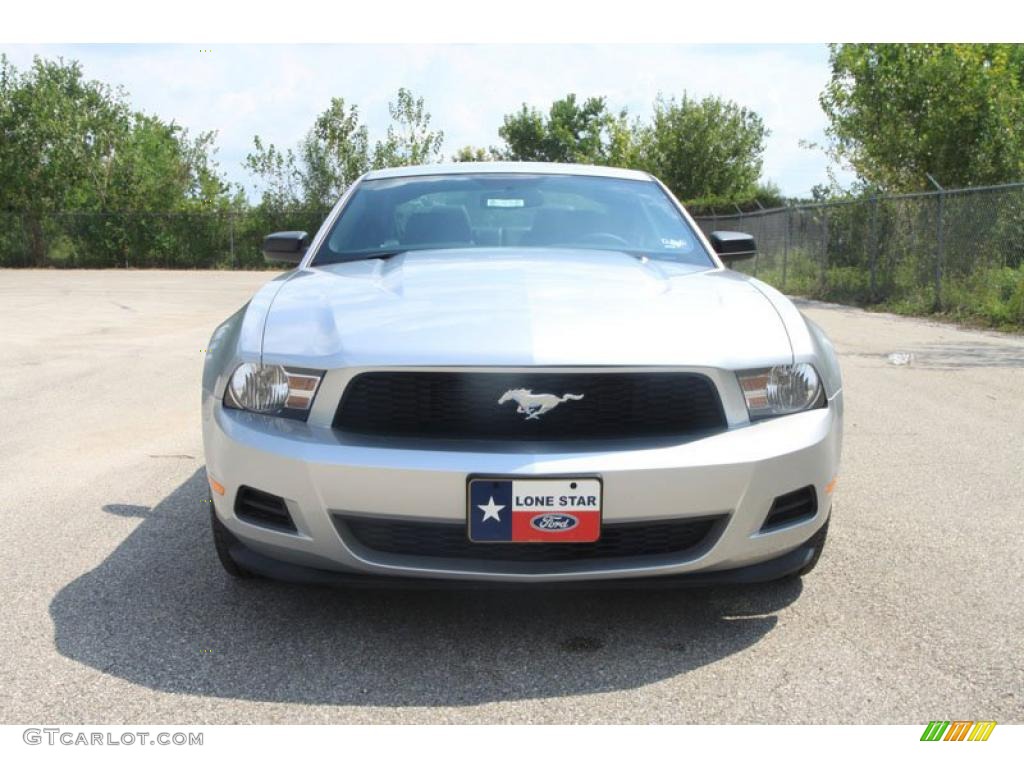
534 510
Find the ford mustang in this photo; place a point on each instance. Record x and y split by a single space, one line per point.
518 373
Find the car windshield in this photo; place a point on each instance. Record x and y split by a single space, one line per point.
486 210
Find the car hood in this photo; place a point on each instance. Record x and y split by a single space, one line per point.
501 307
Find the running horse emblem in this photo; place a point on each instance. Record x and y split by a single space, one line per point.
534 406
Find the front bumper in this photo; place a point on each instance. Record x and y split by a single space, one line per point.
768 570
321 473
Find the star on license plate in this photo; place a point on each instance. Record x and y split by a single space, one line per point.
534 510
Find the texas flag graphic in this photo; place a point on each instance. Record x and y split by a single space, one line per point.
535 510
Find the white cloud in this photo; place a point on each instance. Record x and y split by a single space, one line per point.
276 91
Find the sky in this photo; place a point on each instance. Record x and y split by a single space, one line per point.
276 91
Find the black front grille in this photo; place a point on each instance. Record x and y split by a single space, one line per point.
450 540
465 405
791 507
260 508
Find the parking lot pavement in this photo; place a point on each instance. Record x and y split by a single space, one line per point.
115 609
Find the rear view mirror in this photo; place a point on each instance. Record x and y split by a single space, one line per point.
733 246
287 247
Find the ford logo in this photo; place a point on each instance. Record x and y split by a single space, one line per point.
554 522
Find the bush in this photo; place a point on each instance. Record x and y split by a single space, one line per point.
994 296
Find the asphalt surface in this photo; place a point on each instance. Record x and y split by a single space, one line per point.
116 611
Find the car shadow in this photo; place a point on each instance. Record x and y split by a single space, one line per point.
160 612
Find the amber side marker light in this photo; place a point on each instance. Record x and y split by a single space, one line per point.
301 390
831 486
217 487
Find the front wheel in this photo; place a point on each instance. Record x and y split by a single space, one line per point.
222 540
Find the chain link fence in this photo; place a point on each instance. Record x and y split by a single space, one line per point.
958 251
145 240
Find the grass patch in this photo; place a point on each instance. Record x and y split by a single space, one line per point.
988 296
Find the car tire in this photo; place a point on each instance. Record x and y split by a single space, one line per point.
818 542
222 541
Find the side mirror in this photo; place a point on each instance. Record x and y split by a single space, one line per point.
733 246
288 247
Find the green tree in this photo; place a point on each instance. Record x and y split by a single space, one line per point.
159 167
337 150
471 154
899 111
711 148
768 195
410 139
571 132
75 145
278 173
59 133
332 154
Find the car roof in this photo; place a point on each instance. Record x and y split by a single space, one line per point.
444 169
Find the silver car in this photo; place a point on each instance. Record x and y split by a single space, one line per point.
518 373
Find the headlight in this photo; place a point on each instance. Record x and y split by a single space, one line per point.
780 390
272 389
